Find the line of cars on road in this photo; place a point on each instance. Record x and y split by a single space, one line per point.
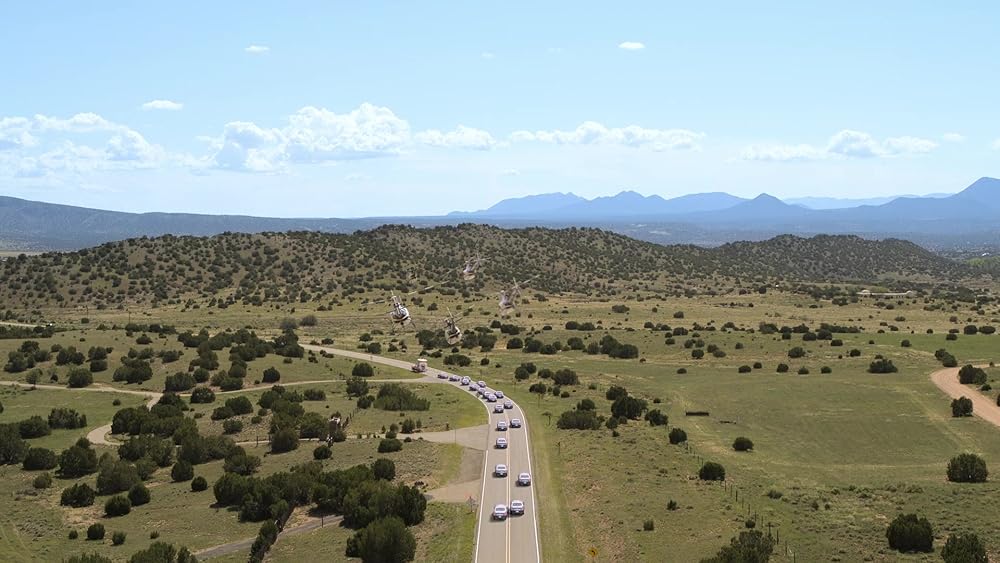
516 508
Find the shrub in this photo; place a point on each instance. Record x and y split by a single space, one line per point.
232 426
628 407
749 546
796 353
744 369
908 533
182 471
79 377
971 375
712 471
117 505
882 365
648 526
385 539
117 538
66 418
180 381
78 460
73 534
578 420
742 444
42 481
782 368
138 495
539 388
116 477
95 532
322 452
672 505
199 484
77 496
363 369
656 418
384 469
34 427
615 392
389 445
565 377
967 468
961 406
677 436
202 395
964 548
396 397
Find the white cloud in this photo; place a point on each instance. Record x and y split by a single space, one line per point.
163 104
257 49
593 133
843 144
953 137
462 137
14 133
631 46
313 135
487 55
79 123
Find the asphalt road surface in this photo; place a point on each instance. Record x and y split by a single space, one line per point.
515 539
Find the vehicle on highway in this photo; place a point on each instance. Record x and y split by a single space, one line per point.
500 470
481 391
420 366
491 398
501 425
501 443
499 394
466 380
499 512
481 384
442 375
453 377
524 479
516 507
498 408
508 404
515 423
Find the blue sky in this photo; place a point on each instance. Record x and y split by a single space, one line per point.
399 108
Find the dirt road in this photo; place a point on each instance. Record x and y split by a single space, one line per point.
982 406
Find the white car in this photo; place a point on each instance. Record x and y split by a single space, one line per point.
515 423
516 507
499 512
508 404
452 377
481 391
492 398
498 408
481 384
500 470
466 380
524 479
499 394
501 426
442 375
501 443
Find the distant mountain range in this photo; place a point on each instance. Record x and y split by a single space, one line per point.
968 219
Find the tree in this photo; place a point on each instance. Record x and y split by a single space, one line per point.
117 477
565 377
199 484
656 418
138 495
364 369
271 375
34 427
908 533
13 448
971 375
202 395
117 505
284 440
961 406
66 418
40 458
615 392
677 436
539 388
357 387
628 407
882 365
384 469
180 381
967 468
586 405
386 540
78 460
322 452
389 445
796 353
77 496
95 532
964 548
79 377
159 552
712 471
240 405
578 420
182 471
742 444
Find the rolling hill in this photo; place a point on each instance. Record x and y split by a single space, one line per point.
305 266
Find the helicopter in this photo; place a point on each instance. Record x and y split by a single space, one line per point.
399 315
471 265
451 331
508 298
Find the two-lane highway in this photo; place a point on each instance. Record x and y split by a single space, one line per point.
515 539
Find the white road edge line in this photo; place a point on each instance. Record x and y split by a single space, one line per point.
534 497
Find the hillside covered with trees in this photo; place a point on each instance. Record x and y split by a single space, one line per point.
307 266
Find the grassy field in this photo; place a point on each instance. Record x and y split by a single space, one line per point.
847 450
